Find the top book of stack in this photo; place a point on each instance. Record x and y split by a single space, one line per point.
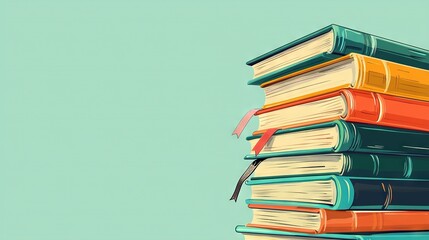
329 43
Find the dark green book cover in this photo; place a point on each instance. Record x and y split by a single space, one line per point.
375 166
347 41
361 138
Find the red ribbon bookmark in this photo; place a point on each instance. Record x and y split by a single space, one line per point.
263 140
243 122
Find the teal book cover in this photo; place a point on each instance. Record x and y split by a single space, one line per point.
281 234
116 115
345 41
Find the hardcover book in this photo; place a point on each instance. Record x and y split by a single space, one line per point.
317 220
251 233
350 71
330 43
341 193
341 136
349 105
345 164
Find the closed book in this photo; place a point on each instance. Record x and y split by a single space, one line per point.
252 233
341 193
350 71
319 220
345 164
342 136
329 43
349 105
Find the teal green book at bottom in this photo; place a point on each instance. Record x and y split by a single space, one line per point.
251 233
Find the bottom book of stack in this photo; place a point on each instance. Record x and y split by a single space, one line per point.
251 233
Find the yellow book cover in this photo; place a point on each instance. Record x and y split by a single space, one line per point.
351 71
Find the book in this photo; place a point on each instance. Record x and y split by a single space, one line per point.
341 193
345 164
349 105
317 220
342 136
350 71
251 233
330 43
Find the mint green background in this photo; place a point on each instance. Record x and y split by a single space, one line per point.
116 116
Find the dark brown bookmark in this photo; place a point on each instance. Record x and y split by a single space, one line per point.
245 176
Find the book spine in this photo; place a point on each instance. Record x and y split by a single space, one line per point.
385 166
403 112
345 194
386 110
387 194
368 165
380 76
351 41
364 221
362 106
365 138
399 52
347 136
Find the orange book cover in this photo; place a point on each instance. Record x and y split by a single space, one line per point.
332 221
368 107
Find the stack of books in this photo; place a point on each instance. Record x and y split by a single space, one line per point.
342 148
